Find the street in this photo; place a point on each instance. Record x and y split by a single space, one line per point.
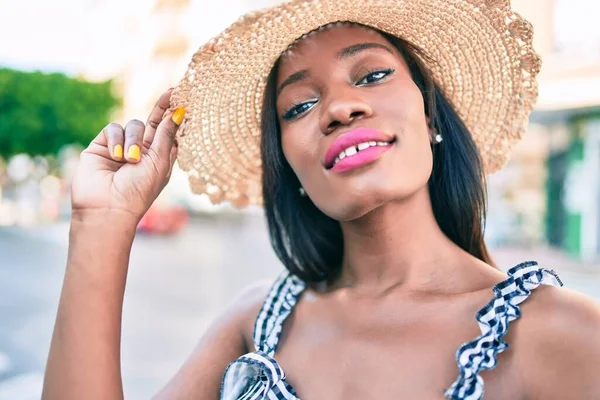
176 286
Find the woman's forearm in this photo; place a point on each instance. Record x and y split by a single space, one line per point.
84 359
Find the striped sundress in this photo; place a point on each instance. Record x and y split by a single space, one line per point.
258 376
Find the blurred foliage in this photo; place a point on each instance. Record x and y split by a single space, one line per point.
40 113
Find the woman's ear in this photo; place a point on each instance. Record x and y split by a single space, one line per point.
430 130
434 136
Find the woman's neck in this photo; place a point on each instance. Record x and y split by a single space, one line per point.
399 244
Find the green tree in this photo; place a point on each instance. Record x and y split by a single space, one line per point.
39 112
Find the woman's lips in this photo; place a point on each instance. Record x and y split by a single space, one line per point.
361 158
356 148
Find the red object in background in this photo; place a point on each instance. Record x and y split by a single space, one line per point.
164 219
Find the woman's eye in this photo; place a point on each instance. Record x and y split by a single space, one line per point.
297 110
375 76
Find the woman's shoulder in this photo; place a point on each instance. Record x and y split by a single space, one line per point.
551 311
246 306
557 342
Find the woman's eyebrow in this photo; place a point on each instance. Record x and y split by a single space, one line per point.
293 78
357 48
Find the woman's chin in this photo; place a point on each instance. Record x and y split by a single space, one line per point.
350 208
357 204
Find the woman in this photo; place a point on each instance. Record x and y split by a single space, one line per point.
376 136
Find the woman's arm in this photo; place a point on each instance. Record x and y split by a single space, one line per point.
119 176
84 359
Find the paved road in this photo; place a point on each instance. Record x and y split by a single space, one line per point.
176 286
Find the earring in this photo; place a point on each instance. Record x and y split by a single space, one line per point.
302 191
436 136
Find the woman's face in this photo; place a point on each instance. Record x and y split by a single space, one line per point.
347 89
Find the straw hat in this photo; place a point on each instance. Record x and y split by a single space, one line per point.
484 63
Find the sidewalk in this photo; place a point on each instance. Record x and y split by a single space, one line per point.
546 257
55 232
505 257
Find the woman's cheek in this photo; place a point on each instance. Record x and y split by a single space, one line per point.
296 151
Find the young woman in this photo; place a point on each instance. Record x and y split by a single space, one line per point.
368 143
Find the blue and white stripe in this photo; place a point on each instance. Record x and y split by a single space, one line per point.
482 353
257 376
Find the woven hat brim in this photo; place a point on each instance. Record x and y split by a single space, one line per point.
482 55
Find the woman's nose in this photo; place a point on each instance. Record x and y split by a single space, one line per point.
342 110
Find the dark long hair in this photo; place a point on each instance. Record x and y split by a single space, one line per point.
310 244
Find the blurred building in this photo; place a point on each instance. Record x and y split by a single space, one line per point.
150 43
555 180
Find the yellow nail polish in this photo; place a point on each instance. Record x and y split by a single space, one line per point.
118 151
134 152
178 115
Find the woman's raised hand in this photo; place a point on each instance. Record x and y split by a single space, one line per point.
124 169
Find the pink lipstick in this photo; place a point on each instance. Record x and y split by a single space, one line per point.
356 148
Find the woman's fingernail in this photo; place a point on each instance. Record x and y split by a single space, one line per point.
118 151
178 115
134 152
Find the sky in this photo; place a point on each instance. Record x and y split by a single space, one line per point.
576 23
53 35
44 35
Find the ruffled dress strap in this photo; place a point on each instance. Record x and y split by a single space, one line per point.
494 318
278 305
257 375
